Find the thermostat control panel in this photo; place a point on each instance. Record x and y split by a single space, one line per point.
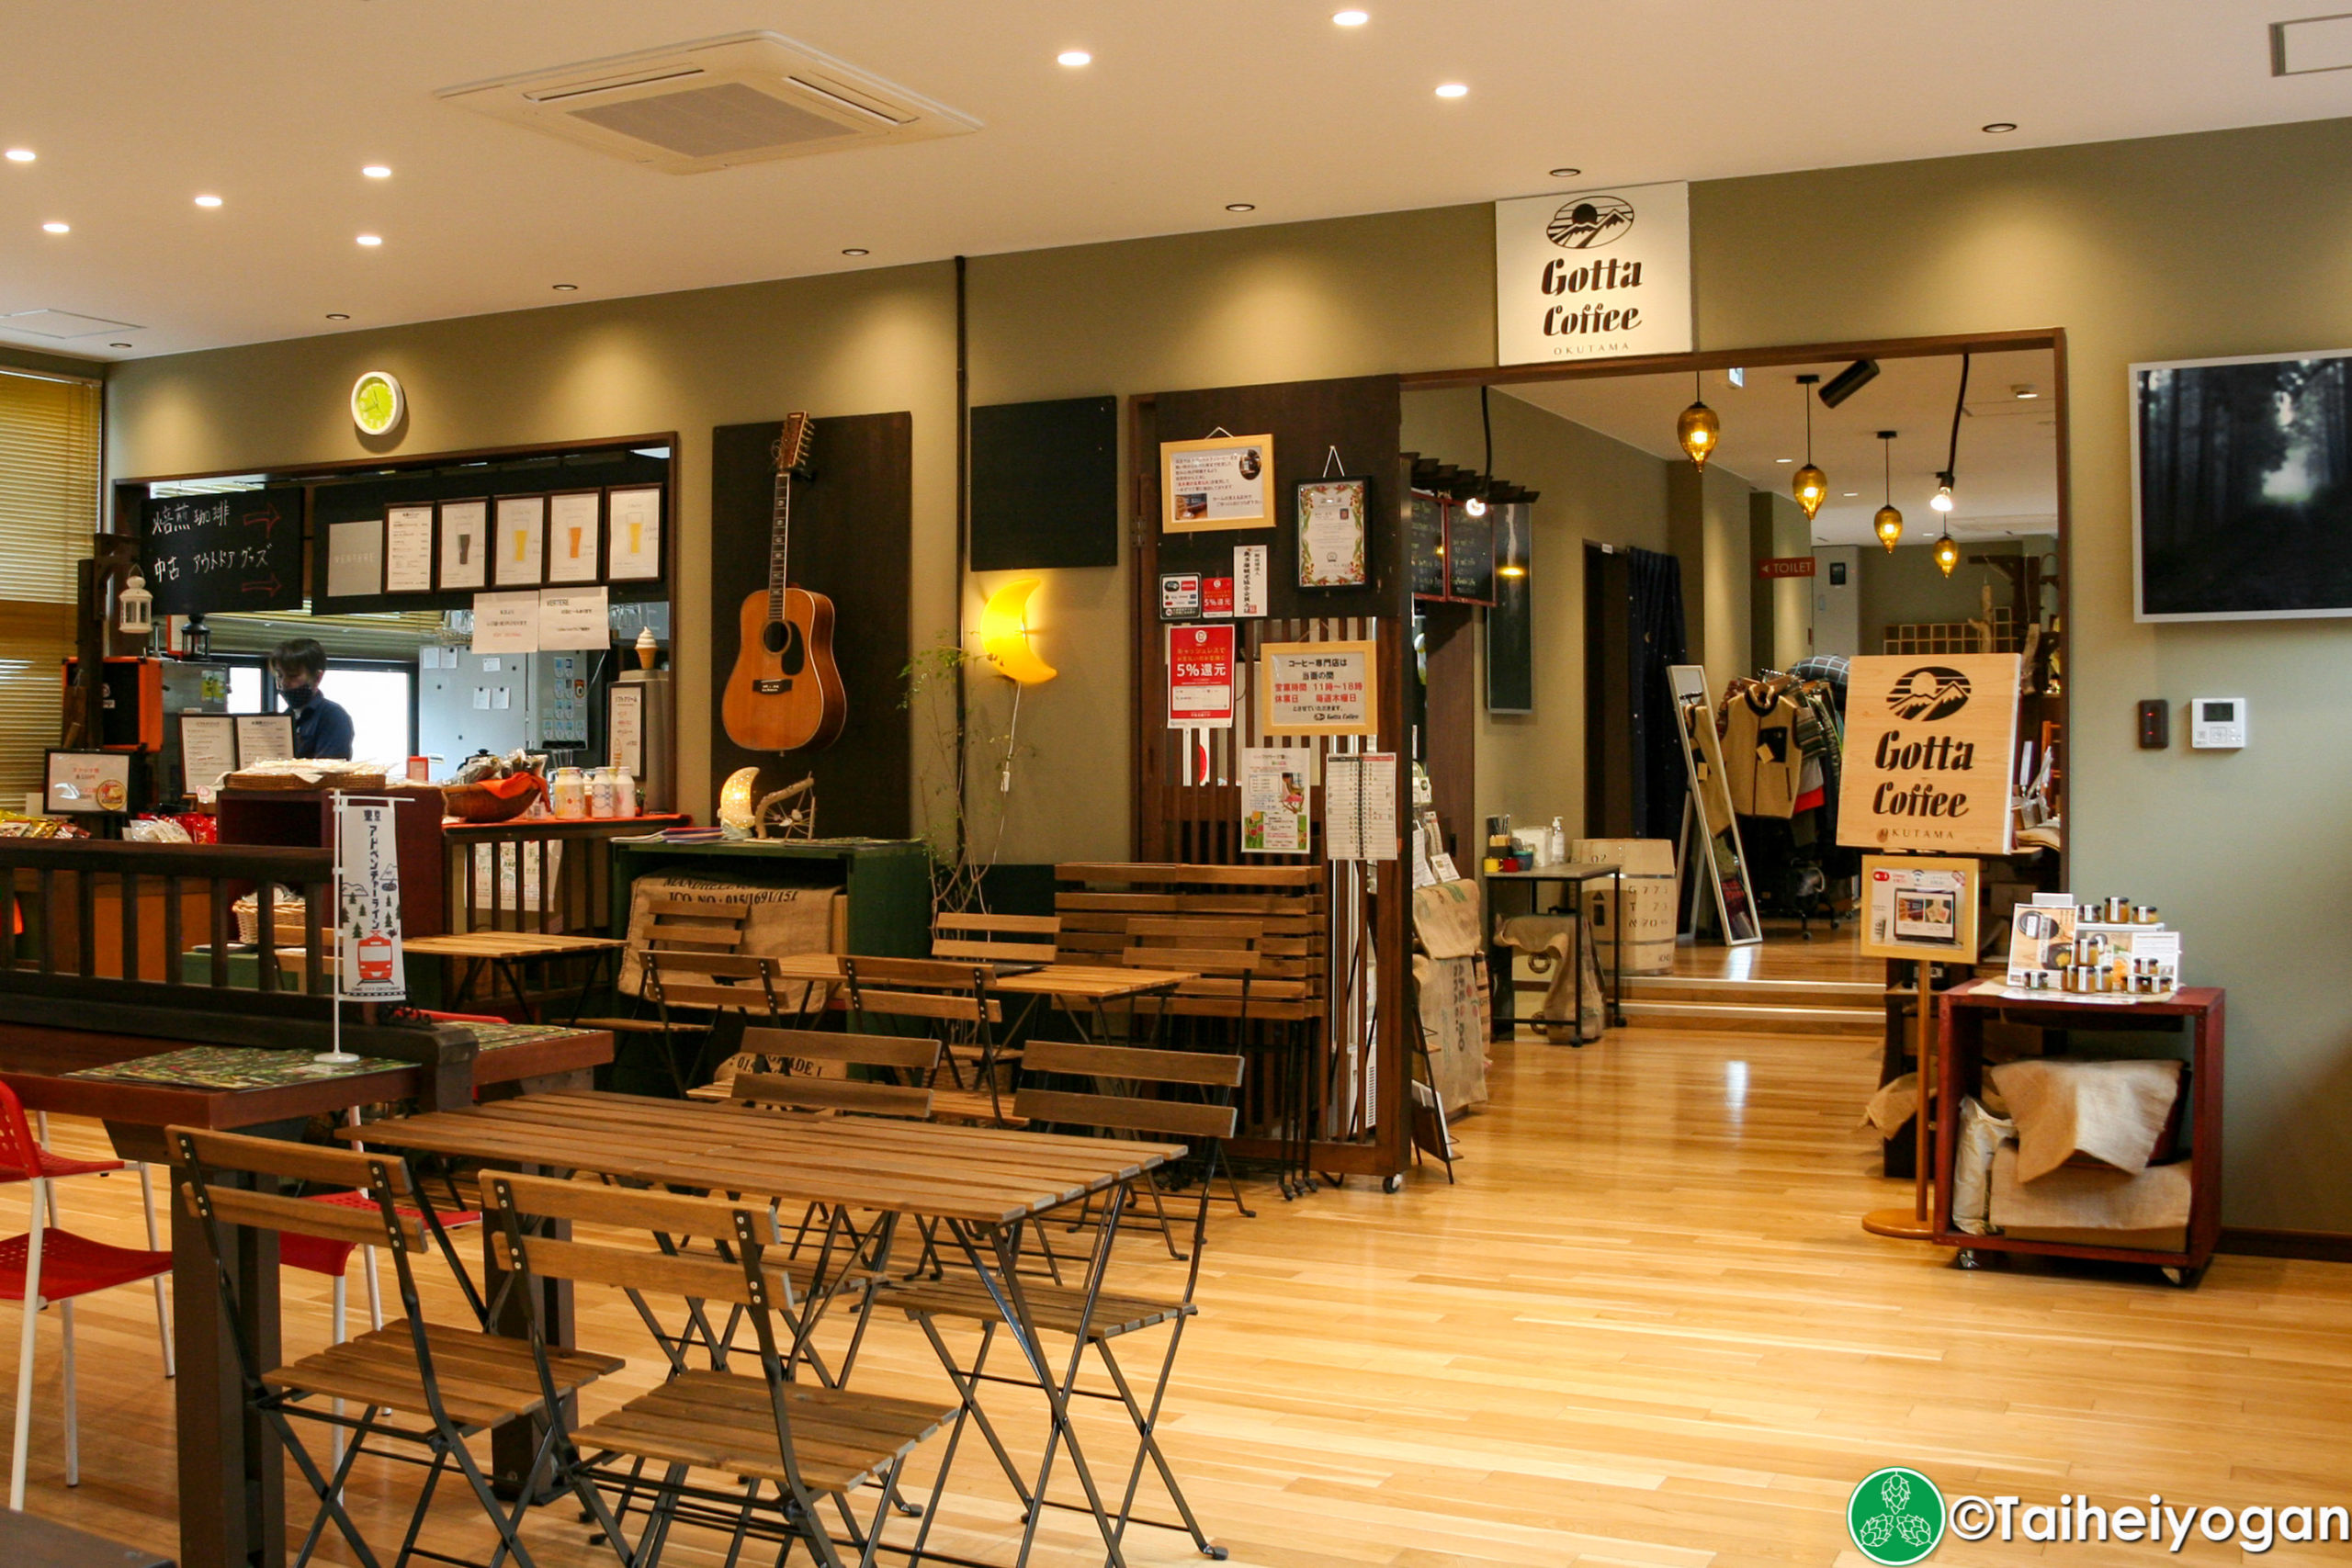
2217 724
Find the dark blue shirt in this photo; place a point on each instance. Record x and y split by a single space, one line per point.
322 728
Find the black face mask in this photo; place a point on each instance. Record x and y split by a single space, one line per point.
299 696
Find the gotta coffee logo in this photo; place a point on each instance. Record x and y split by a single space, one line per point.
1590 221
1929 694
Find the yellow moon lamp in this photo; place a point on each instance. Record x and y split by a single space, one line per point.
1004 633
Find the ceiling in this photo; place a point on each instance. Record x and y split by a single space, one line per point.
275 105
2007 473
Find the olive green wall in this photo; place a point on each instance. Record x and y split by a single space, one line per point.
1590 487
2117 244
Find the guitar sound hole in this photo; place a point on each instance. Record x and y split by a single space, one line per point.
783 639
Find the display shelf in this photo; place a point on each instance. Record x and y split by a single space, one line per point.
1966 1010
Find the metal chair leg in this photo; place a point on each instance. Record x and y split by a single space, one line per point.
163 1305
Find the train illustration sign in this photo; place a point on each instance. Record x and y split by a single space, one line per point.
1930 745
1593 274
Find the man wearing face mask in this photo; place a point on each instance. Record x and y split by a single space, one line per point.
322 728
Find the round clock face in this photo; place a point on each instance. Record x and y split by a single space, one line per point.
375 402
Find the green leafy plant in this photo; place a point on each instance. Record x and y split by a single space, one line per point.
964 828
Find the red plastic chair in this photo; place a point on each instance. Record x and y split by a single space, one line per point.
45 1265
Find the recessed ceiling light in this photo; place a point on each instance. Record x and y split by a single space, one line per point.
118 345
2000 128
337 316
2025 394
1852 493
565 288
1074 57
1349 18
1453 90
21 154
377 170
371 239
1241 206
1566 174
57 228
1784 459
207 201
858 250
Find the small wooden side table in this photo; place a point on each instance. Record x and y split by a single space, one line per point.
1965 1009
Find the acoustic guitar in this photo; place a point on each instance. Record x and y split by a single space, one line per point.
786 692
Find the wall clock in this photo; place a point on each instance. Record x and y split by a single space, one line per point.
377 402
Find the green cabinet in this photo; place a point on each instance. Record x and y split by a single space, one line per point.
887 880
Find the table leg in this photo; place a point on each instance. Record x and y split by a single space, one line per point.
232 1468
514 1445
511 973
1617 964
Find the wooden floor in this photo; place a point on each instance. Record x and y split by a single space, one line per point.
1644 1328
1783 954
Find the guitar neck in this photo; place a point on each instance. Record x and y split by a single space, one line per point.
779 543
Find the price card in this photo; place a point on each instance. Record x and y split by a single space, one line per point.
1199 677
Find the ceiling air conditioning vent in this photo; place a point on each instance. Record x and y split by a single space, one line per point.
695 106
61 324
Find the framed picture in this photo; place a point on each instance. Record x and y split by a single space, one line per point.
1222 482
522 540
633 520
1919 906
356 559
1319 688
207 750
465 543
575 535
1332 532
408 548
87 783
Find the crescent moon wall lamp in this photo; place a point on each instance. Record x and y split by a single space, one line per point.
1004 633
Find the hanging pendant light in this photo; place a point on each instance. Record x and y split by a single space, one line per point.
1947 553
1889 522
1811 486
1698 430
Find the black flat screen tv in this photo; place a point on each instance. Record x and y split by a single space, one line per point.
2242 488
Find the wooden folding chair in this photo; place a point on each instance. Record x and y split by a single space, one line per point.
1088 1314
809 1444
674 925
948 999
461 1381
714 984
772 1082
997 939
1222 953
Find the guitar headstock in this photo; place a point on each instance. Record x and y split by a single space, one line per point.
795 447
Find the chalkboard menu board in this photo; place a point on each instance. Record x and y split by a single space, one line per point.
1470 555
1428 546
242 550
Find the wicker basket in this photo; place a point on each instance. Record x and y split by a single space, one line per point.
474 802
290 918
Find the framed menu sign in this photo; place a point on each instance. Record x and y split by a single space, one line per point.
1224 481
1427 519
1319 688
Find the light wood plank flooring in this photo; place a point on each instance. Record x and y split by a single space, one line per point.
1644 1328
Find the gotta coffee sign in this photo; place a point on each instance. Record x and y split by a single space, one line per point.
1592 274
1931 740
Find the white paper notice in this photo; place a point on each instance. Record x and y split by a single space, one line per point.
265 738
522 539
1249 580
408 550
574 617
481 699
1273 800
501 699
507 622
626 731
1360 807
207 749
356 560
572 539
